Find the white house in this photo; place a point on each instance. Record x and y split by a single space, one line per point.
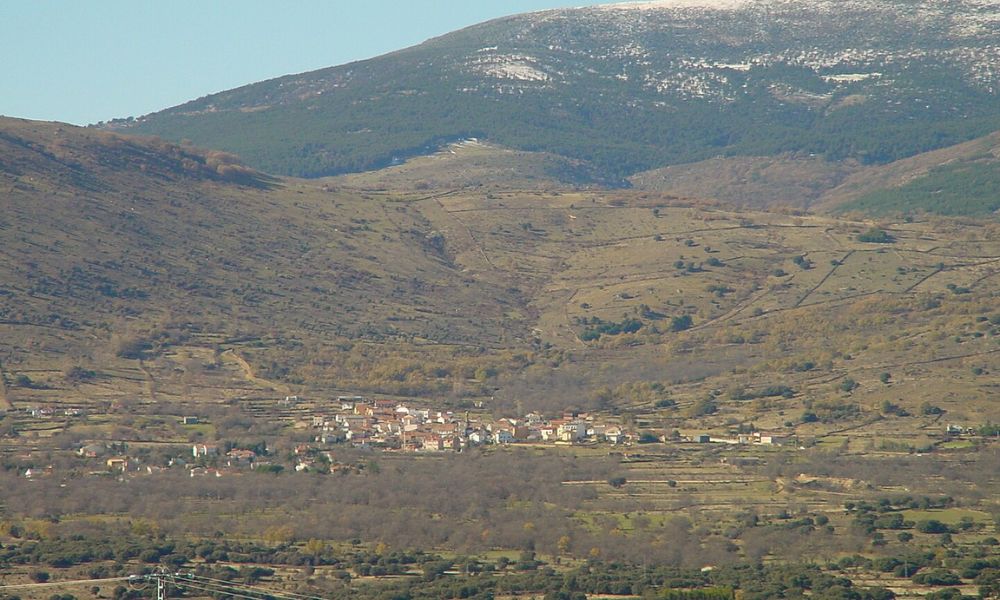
614 435
204 450
573 431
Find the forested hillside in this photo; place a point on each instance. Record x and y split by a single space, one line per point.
630 88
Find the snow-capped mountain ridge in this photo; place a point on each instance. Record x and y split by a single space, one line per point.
963 36
634 85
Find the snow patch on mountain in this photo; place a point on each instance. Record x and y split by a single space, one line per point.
707 50
517 67
668 4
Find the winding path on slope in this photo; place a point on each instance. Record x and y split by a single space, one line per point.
471 237
150 383
249 374
4 402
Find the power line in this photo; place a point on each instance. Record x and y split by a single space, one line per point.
220 586
244 592
222 582
65 583
181 580
217 591
223 588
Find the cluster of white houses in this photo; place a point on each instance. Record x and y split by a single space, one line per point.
396 426
393 425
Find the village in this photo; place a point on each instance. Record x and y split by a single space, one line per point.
352 424
327 434
363 424
396 426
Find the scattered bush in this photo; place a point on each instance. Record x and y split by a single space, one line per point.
937 577
133 348
875 236
848 385
600 328
681 323
78 374
932 526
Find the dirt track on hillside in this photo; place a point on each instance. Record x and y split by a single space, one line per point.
4 402
250 376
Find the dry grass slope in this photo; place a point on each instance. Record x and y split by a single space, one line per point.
755 182
518 299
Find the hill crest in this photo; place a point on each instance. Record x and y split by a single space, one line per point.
630 90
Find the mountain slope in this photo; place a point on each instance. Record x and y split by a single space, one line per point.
959 180
755 181
137 238
632 87
171 286
471 163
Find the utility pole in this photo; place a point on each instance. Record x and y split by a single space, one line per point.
161 585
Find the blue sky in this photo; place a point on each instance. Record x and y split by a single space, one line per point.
84 61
